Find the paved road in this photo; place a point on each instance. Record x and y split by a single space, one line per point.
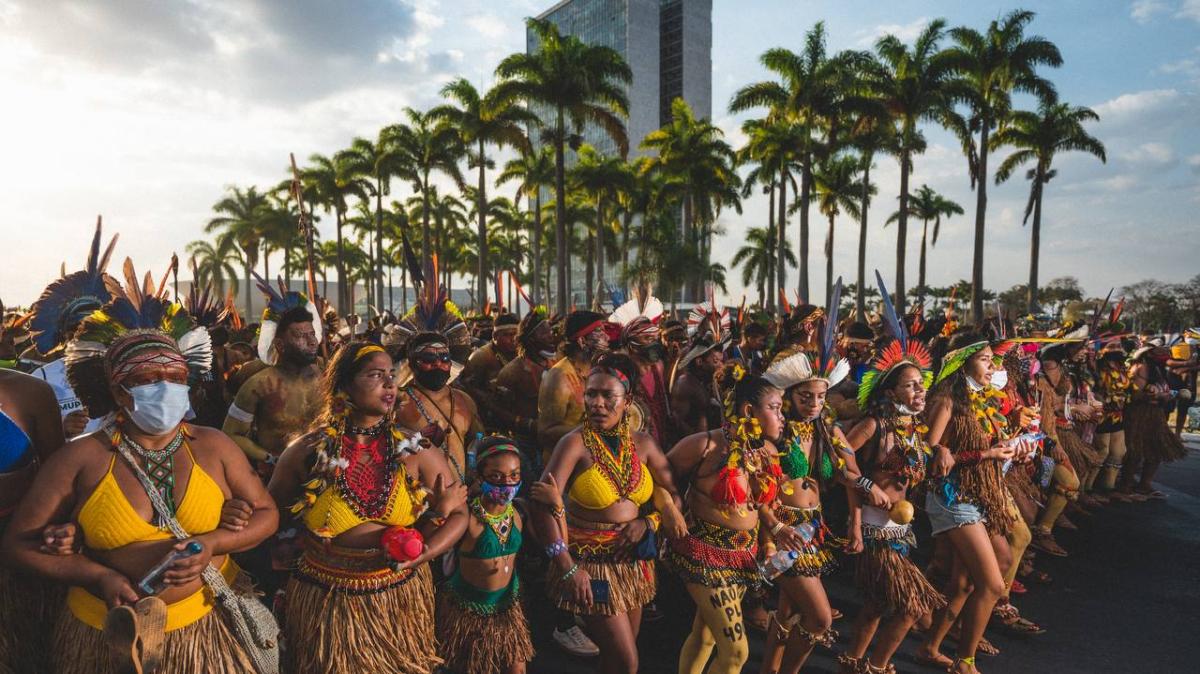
1127 600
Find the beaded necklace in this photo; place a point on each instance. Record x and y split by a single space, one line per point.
985 404
160 467
619 465
445 447
795 463
910 439
746 454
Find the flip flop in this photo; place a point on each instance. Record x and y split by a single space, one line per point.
934 663
1153 495
121 634
151 625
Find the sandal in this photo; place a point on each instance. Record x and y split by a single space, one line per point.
151 628
121 634
1066 524
1018 587
986 647
1044 541
1152 494
941 662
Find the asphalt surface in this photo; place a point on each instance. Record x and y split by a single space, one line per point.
1126 600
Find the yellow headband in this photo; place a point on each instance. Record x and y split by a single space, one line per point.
368 350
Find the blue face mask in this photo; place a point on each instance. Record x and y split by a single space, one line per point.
500 494
159 407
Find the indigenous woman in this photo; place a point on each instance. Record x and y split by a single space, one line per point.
1147 436
734 475
602 545
30 428
1062 403
1113 388
376 506
480 623
892 451
135 359
970 505
812 451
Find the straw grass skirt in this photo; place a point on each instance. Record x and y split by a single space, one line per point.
480 639
29 607
890 583
1148 437
207 645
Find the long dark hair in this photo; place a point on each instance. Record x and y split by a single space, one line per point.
955 386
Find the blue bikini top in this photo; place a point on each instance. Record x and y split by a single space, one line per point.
15 445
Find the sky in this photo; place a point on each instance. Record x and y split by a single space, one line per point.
146 111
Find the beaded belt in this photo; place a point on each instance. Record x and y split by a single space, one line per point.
898 537
714 556
592 541
350 570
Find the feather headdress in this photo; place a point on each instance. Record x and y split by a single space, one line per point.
708 316
138 315
639 315
434 313
900 351
279 302
70 299
203 305
794 366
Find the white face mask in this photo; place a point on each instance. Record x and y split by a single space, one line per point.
974 385
1000 379
905 409
159 407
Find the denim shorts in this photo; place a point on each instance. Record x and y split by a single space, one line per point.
944 517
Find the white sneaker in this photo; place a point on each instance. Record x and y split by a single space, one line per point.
575 642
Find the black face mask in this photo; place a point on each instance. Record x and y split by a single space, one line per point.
431 380
653 352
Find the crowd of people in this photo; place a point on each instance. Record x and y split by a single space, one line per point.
186 490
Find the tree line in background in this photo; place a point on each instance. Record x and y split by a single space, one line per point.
825 120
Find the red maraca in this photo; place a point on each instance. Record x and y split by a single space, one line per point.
402 544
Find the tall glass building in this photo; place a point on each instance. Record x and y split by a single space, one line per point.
668 45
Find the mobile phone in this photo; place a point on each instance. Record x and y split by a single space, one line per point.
600 594
153 582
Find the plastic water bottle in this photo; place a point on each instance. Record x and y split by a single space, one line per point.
152 582
777 563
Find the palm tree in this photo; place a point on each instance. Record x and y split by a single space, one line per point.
533 171
990 67
770 144
814 92
377 162
599 178
335 180
757 260
214 263
926 205
699 167
838 186
238 220
579 83
911 83
482 121
422 146
871 132
1037 137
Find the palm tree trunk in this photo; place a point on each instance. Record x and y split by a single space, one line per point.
829 263
980 215
481 271
860 298
781 223
560 214
537 246
379 246
773 265
1035 244
249 313
266 263
805 195
600 252
341 265
692 291
589 294
921 266
391 306
902 233
404 289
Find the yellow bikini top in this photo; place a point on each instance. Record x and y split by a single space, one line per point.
594 491
109 521
330 515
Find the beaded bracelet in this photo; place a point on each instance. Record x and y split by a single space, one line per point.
777 528
556 548
436 520
864 483
653 520
571 572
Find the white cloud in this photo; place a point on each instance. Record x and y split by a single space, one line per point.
1120 183
1189 67
1189 9
489 25
1127 105
1194 162
906 32
1143 10
1150 153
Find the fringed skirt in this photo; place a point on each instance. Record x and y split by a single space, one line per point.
29 606
631 585
1148 437
890 583
205 644
1083 456
816 558
481 631
346 610
714 556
